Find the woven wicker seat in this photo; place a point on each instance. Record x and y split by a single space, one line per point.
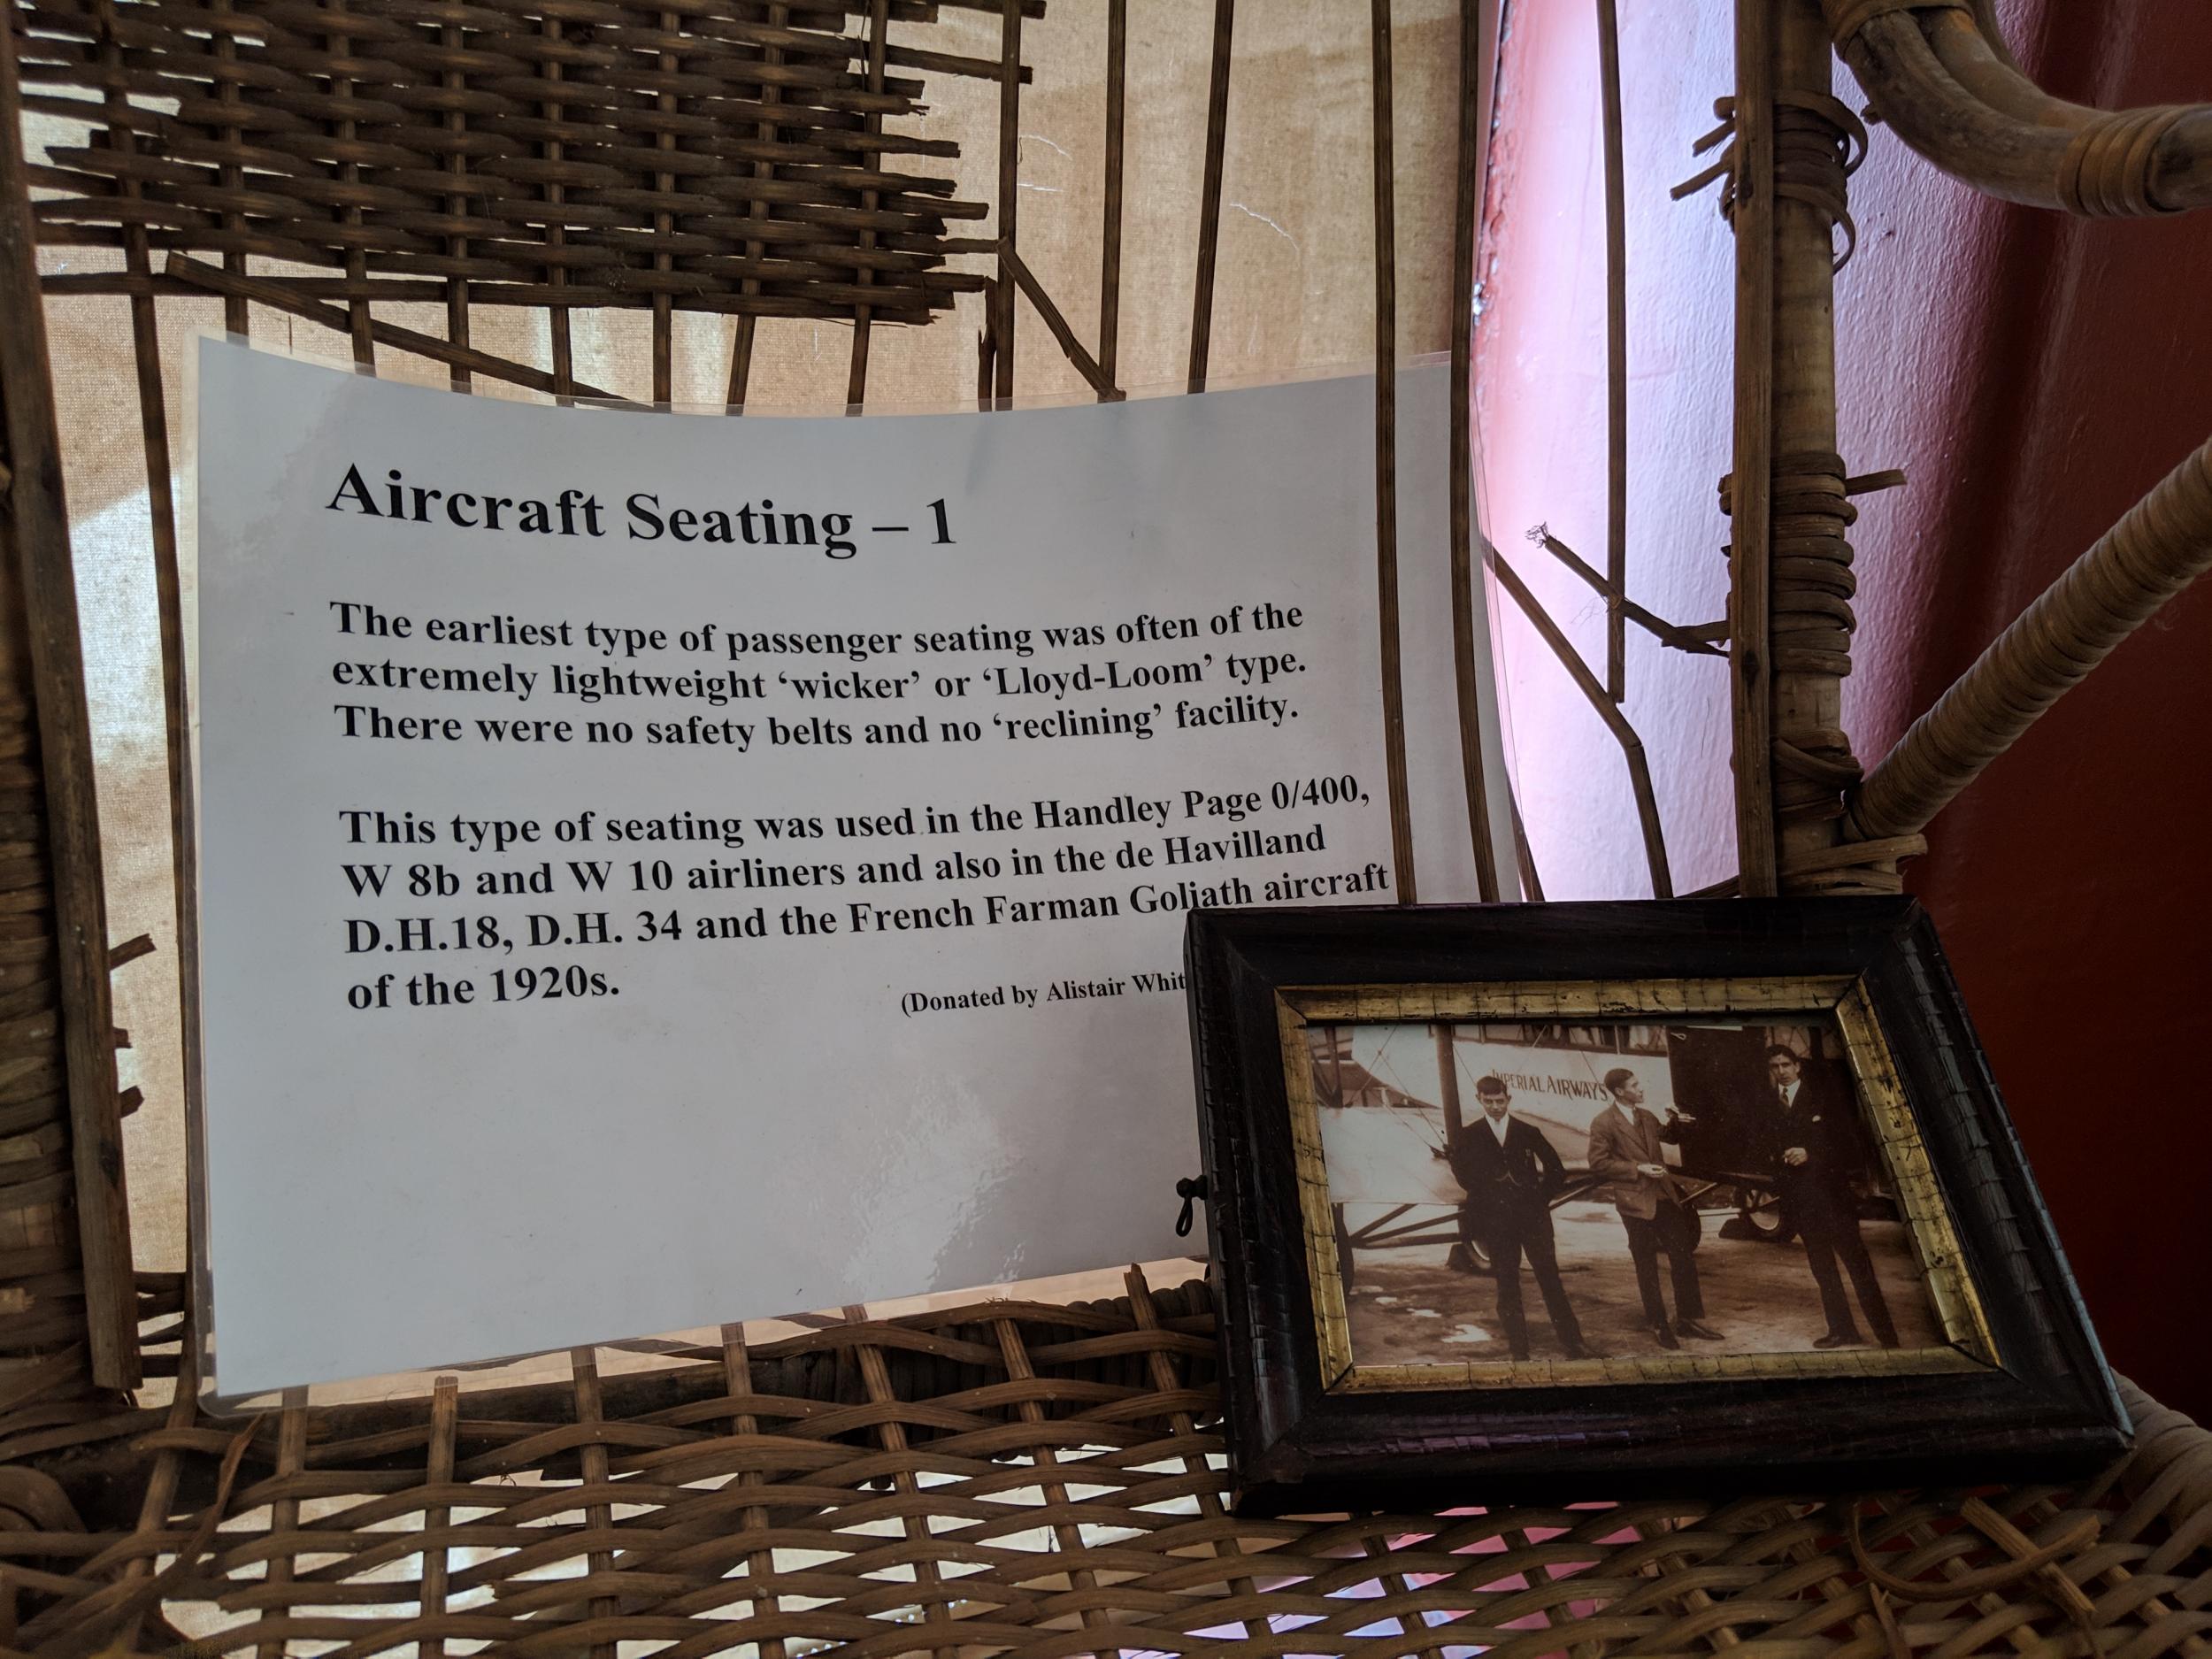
1012 1479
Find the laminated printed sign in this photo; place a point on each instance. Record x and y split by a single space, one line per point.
659 869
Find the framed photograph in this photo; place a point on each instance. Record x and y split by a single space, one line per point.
1596 1198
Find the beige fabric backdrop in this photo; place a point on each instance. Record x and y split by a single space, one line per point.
1294 291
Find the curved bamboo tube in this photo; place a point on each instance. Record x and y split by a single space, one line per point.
2162 545
1942 79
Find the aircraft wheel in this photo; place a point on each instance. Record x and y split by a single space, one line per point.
1468 1256
1758 1215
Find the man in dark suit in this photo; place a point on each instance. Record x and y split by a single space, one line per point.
1510 1171
1627 1148
1815 1135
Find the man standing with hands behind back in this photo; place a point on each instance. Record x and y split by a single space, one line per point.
1510 1171
1626 1147
1817 1146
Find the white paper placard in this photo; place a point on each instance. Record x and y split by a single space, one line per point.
658 869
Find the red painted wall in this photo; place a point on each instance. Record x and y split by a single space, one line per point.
2034 376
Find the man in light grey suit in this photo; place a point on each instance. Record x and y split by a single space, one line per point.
1625 1148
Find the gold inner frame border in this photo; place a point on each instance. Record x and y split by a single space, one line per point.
1844 997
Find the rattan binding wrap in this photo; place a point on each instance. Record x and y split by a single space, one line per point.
1938 72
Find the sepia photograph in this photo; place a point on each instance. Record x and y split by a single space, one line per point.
1585 1200
1648 1194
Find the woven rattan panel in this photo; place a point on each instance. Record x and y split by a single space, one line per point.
709 155
1007 1478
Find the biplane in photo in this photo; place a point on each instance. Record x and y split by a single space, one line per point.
1394 1097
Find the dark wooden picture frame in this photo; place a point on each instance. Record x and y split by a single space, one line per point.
2026 1394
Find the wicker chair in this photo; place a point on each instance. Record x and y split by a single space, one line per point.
1010 1477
